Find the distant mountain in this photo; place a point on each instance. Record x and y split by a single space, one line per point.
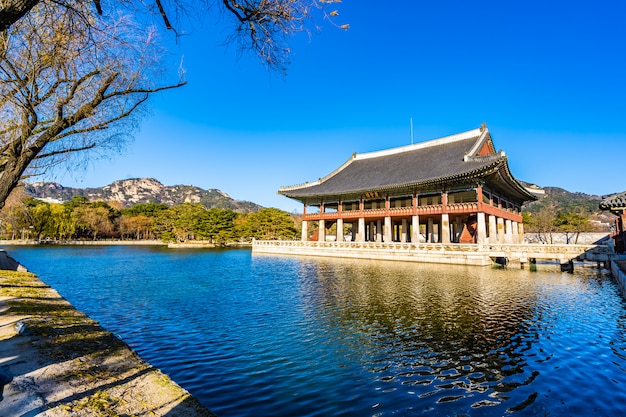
140 191
565 200
561 200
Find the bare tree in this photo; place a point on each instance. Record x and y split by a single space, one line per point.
262 26
69 85
75 73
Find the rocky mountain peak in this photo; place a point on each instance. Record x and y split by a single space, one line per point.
134 191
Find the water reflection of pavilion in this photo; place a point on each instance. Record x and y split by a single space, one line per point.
449 333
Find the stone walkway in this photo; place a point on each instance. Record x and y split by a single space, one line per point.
64 364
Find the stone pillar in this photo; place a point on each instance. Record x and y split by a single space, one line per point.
458 229
379 231
445 228
404 231
360 236
415 228
482 229
508 232
321 236
493 230
500 226
515 232
429 231
339 230
520 227
388 229
305 231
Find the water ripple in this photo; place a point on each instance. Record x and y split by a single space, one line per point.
313 337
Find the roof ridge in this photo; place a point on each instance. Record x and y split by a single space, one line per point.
484 137
421 145
478 158
320 180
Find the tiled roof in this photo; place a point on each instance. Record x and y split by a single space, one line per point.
614 202
432 162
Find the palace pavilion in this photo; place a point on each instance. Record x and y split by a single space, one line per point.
456 189
616 204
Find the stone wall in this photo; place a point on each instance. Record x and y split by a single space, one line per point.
618 274
564 238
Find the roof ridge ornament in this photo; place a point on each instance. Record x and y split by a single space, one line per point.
475 158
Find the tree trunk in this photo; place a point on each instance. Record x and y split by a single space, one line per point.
13 10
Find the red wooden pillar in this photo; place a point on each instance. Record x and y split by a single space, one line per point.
479 197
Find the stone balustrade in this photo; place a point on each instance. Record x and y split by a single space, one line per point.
448 253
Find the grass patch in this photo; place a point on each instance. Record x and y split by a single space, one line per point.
100 404
66 332
84 356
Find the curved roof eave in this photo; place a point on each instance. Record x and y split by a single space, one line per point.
515 184
307 184
613 202
467 175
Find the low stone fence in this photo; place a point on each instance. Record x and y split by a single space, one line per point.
411 252
445 253
565 238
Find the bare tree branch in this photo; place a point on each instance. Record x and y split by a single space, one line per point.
66 151
70 86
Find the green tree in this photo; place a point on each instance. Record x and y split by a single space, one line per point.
13 216
180 223
61 225
140 220
92 220
218 225
137 227
147 209
39 217
76 201
572 223
269 224
542 223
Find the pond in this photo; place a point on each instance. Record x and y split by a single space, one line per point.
259 335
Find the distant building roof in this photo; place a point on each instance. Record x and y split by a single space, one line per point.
614 202
465 156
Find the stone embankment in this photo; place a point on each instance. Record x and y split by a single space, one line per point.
32 242
56 361
618 270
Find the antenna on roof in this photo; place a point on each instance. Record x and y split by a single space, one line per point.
411 121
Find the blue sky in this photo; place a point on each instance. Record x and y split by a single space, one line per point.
548 78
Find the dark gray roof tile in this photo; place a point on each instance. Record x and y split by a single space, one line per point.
614 202
435 161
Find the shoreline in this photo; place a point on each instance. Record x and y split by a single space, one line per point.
61 362
33 242
192 244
